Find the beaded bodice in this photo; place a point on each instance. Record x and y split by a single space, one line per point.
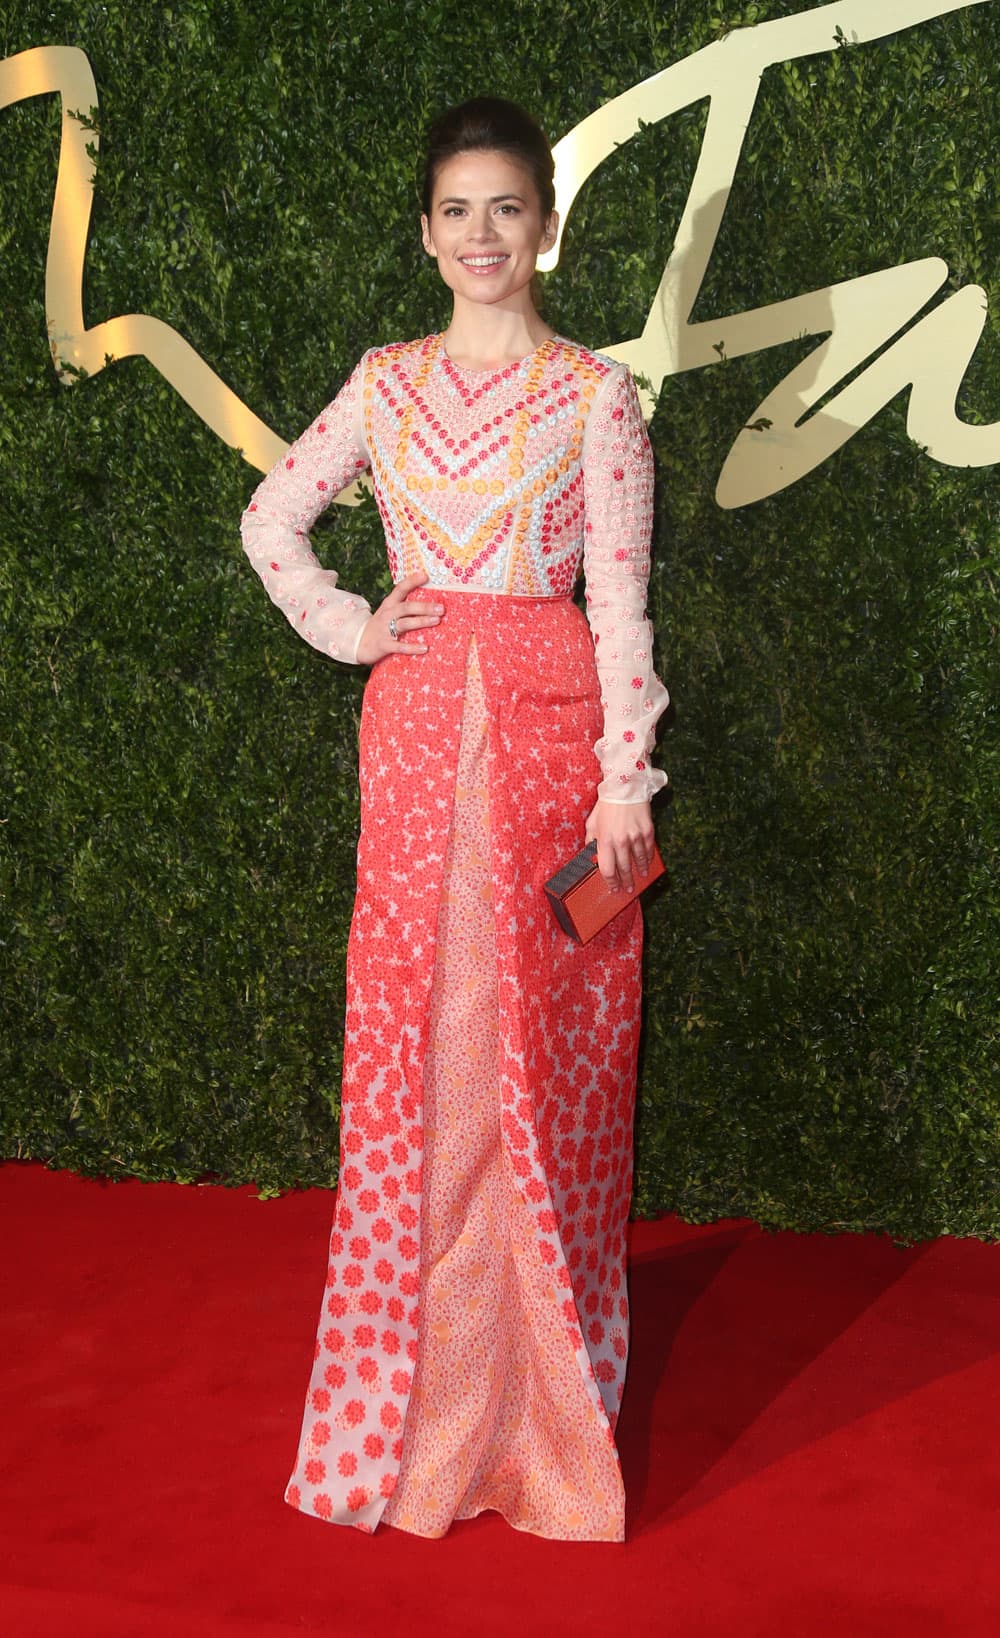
491 494
504 481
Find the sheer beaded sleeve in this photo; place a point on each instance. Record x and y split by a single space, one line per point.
285 505
618 505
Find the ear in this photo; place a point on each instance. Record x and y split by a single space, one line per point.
425 234
551 231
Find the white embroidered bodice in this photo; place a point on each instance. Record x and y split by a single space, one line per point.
502 481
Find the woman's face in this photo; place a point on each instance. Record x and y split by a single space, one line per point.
486 227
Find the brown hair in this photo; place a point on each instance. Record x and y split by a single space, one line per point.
491 125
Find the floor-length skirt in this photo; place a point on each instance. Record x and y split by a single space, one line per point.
473 1337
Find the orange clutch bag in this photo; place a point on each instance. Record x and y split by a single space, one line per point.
581 900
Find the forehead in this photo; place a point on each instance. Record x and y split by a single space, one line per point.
483 174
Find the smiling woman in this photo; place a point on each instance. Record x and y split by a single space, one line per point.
486 227
472 1343
488 208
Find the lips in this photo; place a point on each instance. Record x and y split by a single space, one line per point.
482 265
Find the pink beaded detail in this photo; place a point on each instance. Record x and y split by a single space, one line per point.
507 480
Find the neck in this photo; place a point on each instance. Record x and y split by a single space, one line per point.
481 337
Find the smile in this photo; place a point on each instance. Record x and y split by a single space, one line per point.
482 264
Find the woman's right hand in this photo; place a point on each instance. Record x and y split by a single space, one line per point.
376 640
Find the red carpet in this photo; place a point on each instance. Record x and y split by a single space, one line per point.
810 1438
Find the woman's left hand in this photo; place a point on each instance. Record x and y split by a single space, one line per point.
624 832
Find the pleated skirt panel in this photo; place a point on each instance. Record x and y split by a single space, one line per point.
473 1338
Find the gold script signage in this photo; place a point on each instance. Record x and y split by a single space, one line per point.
782 440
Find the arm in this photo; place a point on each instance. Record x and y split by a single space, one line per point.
284 506
618 500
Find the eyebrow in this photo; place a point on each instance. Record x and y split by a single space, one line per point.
496 199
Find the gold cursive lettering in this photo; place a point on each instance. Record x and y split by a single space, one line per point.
66 71
782 441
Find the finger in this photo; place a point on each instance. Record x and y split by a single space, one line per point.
410 636
642 855
607 865
623 859
409 583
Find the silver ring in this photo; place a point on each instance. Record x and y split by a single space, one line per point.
393 633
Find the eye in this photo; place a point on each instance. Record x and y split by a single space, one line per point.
452 210
512 210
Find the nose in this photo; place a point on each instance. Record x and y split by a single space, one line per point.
483 226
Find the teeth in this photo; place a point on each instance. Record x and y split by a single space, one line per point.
483 261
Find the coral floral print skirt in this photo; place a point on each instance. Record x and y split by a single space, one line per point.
473 1336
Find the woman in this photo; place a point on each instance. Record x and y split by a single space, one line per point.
472 1343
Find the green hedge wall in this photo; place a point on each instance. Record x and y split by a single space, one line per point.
821 1043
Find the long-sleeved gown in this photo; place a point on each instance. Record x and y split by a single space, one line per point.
473 1335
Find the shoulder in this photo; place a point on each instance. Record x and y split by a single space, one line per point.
400 354
605 385
608 395
596 367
